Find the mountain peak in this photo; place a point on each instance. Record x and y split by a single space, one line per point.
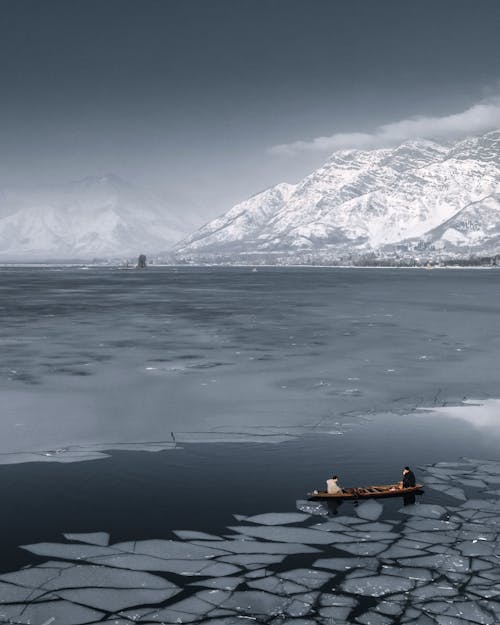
110 181
360 202
97 216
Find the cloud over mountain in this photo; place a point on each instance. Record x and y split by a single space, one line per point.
480 117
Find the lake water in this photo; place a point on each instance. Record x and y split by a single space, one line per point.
139 403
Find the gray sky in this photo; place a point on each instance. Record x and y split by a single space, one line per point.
209 101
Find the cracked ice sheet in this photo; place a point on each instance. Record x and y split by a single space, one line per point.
369 510
374 618
377 585
191 535
364 548
346 564
422 575
276 518
429 511
306 577
314 508
149 555
220 583
154 549
94 586
286 534
92 538
10 593
247 559
86 576
111 599
67 457
140 562
456 493
256 602
53 612
82 453
254 546
440 562
276 585
189 609
444 547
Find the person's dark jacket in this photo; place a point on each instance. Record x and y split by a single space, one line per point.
409 479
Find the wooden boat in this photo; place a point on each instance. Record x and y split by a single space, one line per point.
368 492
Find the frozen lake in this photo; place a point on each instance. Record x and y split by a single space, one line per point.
106 357
289 374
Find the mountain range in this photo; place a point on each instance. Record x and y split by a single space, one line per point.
421 198
96 217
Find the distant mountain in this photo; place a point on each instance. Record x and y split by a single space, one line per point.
420 197
97 217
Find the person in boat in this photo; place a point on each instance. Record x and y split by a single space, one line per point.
408 480
332 486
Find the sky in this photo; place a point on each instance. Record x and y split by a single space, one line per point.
206 102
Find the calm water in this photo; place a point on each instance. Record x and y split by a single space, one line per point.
331 362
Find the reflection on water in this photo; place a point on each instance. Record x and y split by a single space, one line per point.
409 500
482 415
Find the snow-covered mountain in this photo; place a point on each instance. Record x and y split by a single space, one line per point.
420 196
97 217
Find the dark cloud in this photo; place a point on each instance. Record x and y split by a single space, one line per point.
185 96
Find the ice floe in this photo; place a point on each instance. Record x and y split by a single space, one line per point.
377 585
369 510
277 518
286 534
429 564
92 538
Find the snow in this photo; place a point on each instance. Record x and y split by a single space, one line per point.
373 200
377 585
95 217
312 507
442 562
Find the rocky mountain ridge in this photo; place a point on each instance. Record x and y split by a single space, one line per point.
421 198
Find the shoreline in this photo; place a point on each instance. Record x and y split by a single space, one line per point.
84 265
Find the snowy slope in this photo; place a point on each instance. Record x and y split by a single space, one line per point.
473 230
360 202
96 217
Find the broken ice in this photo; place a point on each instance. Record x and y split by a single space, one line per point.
431 565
